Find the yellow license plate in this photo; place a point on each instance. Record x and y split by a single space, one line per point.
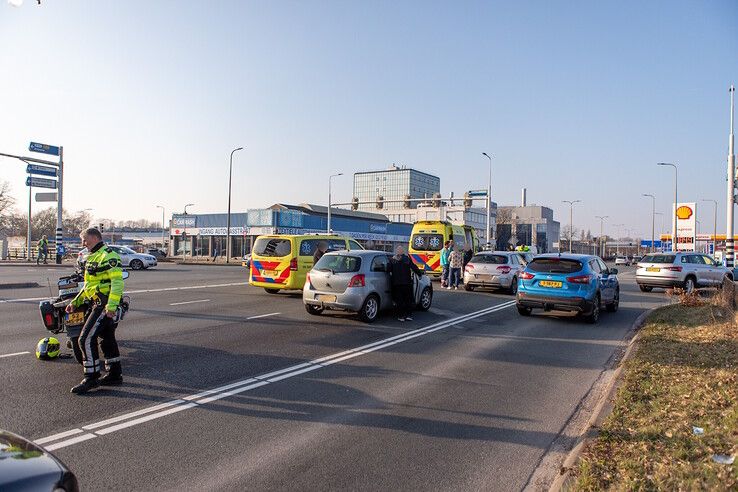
653 269
326 298
269 273
76 318
550 283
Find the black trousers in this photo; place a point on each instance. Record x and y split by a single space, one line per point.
403 297
99 329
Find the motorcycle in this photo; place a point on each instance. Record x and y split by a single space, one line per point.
57 320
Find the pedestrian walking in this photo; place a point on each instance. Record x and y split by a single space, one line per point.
456 263
43 249
444 263
215 254
402 270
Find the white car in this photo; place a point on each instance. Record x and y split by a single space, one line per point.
129 258
622 260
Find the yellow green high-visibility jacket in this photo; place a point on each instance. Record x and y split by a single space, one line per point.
103 275
42 243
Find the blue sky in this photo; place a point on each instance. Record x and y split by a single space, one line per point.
575 99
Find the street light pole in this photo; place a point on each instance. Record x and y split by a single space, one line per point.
714 224
162 225
602 228
653 221
184 246
330 178
571 219
673 213
489 202
228 225
730 202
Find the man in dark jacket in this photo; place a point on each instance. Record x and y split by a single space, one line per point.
401 278
320 251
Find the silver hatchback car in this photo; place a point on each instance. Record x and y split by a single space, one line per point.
683 270
495 269
357 281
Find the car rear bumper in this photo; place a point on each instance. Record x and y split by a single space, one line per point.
554 303
344 301
495 281
659 281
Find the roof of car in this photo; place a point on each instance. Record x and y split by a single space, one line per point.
565 256
498 252
358 252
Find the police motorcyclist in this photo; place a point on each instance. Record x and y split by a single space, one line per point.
103 287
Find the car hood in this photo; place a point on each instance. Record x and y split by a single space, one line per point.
26 466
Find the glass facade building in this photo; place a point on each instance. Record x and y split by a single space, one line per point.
393 184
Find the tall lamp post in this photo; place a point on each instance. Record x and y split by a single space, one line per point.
673 212
228 224
162 224
571 219
653 221
330 179
714 226
602 229
184 246
489 202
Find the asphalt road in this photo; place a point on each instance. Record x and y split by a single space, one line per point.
467 396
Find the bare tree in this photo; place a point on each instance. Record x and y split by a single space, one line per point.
6 201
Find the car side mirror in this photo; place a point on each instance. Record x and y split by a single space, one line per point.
125 275
613 271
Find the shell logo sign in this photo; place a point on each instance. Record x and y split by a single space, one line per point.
684 212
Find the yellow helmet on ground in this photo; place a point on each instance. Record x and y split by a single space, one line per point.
48 348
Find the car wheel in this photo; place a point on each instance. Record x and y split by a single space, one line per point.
270 290
426 299
468 287
136 265
594 316
513 286
524 311
613 306
645 288
314 310
370 309
689 285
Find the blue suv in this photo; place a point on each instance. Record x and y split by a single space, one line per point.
568 282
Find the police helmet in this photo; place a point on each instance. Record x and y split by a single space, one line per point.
48 348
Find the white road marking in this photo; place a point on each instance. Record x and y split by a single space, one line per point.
189 302
16 353
212 286
263 315
207 396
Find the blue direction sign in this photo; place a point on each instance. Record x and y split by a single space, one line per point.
41 182
41 170
43 148
646 243
478 193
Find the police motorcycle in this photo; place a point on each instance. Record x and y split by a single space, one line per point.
57 320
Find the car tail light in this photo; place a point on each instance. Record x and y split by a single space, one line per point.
307 280
504 269
48 319
526 276
579 279
469 267
674 269
293 264
357 281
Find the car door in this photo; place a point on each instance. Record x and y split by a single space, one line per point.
125 258
380 281
610 279
716 274
701 271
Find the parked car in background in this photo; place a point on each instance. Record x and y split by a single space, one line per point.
26 466
568 282
622 260
526 256
635 259
157 253
246 260
683 269
494 269
129 258
357 281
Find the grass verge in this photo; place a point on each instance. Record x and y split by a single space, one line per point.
683 373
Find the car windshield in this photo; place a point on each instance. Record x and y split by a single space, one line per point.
272 246
554 265
128 250
493 259
427 242
658 259
338 264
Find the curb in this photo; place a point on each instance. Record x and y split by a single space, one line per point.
20 285
602 410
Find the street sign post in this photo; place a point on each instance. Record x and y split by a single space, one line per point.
41 170
43 148
40 182
46 197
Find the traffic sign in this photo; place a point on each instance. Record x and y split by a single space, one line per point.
46 197
41 182
646 243
478 193
41 170
43 148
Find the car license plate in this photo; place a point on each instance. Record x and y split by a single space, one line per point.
550 283
326 298
653 269
75 318
269 273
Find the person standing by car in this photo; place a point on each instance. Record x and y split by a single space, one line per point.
104 288
43 249
444 262
456 263
320 251
467 255
401 279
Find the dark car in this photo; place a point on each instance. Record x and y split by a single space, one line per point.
157 253
26 466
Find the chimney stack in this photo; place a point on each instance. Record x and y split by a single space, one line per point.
523 198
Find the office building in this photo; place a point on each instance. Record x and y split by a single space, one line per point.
393 185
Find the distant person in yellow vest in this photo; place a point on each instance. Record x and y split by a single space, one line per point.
43 249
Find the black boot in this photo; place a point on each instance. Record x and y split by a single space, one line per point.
86 385
114 377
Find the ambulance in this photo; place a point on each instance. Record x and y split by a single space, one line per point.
282 261
427 240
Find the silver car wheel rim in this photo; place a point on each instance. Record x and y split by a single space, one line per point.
371 308
425 301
